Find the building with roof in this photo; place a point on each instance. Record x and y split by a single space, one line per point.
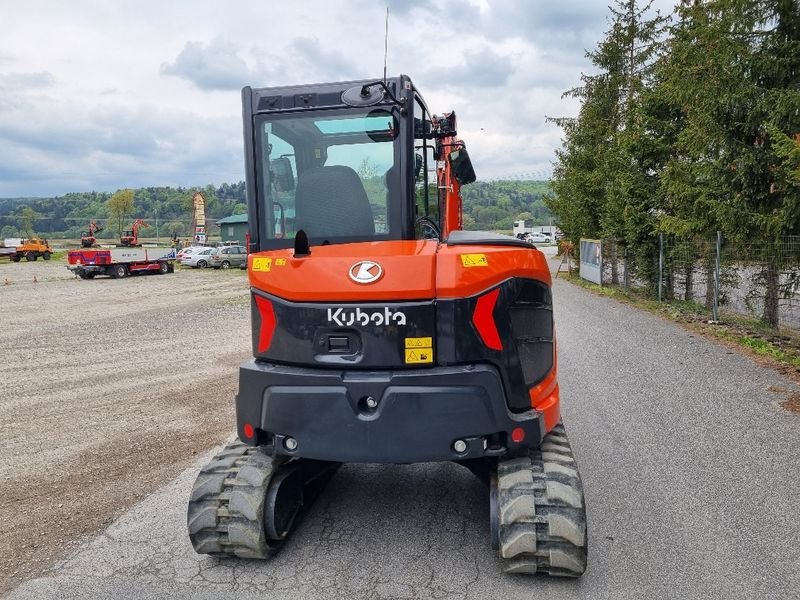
233 228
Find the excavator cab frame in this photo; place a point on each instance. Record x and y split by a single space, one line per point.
293 134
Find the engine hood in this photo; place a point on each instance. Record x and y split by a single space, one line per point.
359 272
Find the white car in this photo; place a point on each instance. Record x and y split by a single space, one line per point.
189 250
538 238
199 259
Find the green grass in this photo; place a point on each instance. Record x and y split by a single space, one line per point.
764 347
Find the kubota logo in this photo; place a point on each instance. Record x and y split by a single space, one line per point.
366 271
346 317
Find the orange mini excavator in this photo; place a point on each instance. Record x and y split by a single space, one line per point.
383 332
130 237
88 239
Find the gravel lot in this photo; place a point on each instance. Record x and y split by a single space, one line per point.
688 459
107 390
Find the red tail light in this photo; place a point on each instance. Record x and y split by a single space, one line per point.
268 323
483 319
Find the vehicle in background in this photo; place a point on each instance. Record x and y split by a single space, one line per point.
230 256
88 238
130 237
8 252
523 228
120 262
197 260
189 250
31 249
538 238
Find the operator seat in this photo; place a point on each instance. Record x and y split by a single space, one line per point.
332 202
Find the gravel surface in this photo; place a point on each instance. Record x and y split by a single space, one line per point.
689 465
107 389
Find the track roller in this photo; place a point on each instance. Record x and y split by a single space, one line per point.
245 503
538 513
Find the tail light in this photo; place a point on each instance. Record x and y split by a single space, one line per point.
483 320
268 322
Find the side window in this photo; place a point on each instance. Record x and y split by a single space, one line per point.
280 163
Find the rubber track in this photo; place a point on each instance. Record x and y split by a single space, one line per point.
226 508
542 520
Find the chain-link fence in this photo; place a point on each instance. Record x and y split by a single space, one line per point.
757 278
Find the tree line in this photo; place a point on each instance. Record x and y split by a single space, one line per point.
487 205
688 125
69 215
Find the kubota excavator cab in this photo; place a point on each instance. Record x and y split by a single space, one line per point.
382 332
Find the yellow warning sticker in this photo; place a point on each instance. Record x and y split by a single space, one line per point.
263 264
474 260
280 262
419 342
419 355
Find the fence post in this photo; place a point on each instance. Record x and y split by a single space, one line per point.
625 280
602 266
715 308
660 263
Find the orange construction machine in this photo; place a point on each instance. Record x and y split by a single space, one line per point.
88 239
30 249
130 237
384 333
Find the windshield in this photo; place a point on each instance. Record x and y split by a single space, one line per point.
327 174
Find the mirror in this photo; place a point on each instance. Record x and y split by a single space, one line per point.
462 166
281 173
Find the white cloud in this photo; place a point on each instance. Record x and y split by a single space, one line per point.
216 66
102 95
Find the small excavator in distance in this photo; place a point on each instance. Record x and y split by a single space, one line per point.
88 239
383 332
130 237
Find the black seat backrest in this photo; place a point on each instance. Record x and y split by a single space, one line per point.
332 202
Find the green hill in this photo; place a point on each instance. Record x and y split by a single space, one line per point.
487 205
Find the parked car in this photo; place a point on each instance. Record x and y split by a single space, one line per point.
538 238
189 250
198 260
232 256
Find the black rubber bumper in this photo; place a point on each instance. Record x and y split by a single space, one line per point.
381 416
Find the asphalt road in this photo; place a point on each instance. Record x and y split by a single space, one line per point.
690 467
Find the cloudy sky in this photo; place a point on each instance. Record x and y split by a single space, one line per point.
99 95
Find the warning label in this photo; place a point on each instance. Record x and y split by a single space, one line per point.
474 260
280 262
262 264
425 342
419 355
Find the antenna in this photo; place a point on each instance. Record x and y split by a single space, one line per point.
386 44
